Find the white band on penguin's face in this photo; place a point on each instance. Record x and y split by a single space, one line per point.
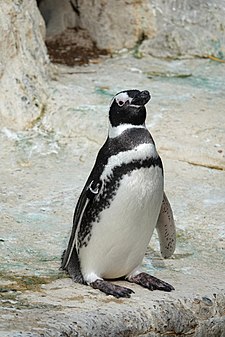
121 98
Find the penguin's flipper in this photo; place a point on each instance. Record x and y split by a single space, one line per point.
166 229
70 260
73 267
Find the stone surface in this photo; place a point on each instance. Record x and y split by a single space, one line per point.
167 29
58 15
44 168
114 25
187 28
23 64
111 25
161 28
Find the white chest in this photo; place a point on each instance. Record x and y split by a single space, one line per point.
119 240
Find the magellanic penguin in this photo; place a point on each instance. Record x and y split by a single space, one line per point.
122 202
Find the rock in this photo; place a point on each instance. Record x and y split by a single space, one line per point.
111 25
162 28
114 25
23 64
66 309
58 15
187 28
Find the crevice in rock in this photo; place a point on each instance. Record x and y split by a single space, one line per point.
75 7
104 26
67 43
39 118
209 166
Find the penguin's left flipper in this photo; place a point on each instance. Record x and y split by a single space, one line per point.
111 289
166 229
150 282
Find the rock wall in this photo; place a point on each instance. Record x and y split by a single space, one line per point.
169 28
23 64
112 25
58 15
115 24
187 28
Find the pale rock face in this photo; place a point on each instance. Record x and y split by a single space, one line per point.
23 64
187 28
114 25
58 15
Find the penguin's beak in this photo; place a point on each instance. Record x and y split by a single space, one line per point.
141 98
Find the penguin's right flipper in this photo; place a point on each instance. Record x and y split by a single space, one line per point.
70 260
73 267
166 229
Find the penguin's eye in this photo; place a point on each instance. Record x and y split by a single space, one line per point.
121 103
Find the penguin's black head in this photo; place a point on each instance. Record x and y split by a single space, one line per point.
128 107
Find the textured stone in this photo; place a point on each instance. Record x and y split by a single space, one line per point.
114 25
63 308
23 64
163 28
58 15
187 28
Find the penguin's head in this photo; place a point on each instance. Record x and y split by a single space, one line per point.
128 107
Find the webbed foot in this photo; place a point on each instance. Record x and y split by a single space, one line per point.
111 289
152 283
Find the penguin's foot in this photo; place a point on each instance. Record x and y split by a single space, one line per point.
152 283
111 289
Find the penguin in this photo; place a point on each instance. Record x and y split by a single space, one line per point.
121 204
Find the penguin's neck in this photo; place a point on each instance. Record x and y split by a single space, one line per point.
115 131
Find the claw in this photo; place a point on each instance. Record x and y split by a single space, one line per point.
111 289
